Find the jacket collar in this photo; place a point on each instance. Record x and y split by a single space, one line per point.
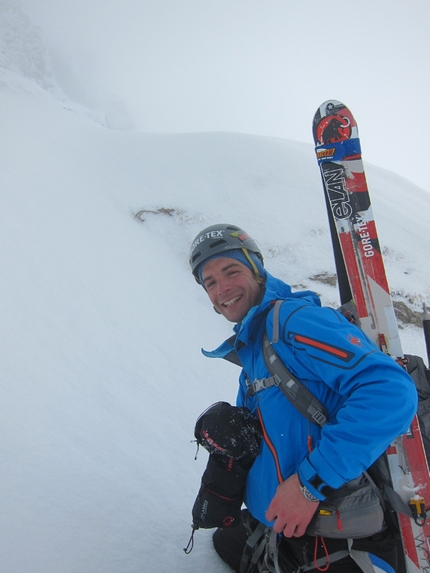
274 289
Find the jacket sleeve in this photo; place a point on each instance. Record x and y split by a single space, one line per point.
371 399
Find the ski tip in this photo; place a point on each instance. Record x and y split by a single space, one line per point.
426 312
329 107
331 103
333 122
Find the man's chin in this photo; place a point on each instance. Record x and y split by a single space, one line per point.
232 315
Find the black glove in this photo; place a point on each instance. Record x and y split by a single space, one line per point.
220 498
232 437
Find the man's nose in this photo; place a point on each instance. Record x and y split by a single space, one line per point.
223 285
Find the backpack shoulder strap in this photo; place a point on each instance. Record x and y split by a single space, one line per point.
293 389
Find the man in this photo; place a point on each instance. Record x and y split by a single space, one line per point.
370 399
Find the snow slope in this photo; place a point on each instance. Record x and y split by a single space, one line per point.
101 322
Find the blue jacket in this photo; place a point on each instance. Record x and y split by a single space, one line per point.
370 398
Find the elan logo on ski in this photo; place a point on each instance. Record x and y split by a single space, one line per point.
334 182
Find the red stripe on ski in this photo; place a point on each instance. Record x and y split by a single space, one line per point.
357 182
354 275
352 157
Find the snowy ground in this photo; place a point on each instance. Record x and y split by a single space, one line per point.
102 324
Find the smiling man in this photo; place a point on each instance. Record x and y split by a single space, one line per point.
369 398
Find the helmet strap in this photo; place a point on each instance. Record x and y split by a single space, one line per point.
253 265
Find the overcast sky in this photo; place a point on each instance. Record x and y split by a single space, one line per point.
252 66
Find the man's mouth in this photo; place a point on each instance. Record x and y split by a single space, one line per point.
232 301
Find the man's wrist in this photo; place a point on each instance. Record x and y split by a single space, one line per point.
314 483
306 493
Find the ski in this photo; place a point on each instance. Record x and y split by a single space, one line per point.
362 281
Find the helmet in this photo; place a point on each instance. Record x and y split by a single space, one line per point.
218 239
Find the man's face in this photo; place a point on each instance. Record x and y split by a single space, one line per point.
231 286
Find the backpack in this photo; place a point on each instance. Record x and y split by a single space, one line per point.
421 376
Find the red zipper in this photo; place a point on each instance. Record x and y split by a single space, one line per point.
271 448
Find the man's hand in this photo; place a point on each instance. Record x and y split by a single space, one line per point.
290 510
